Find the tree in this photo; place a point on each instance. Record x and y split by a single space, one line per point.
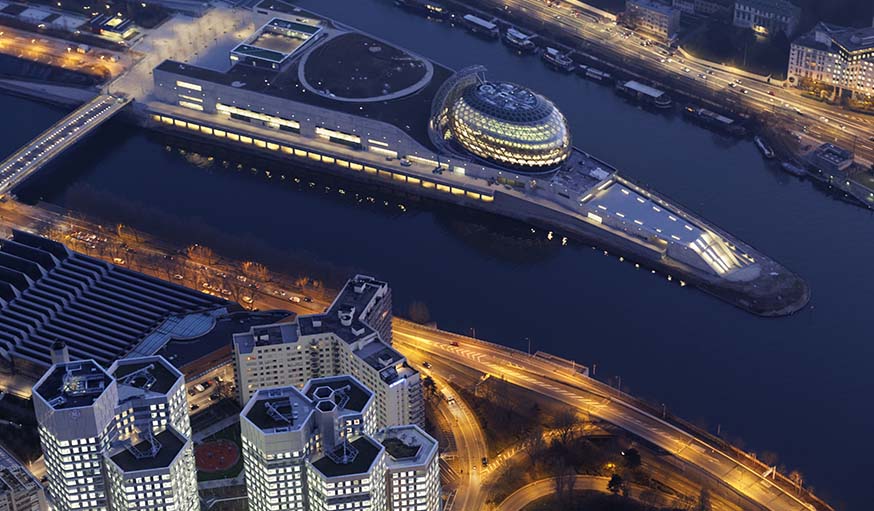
563 479
565 424
704 501
430 387
616 484
201 254
631 458
255 271
534 446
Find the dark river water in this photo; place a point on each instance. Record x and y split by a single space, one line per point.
800 386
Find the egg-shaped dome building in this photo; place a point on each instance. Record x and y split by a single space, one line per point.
508 125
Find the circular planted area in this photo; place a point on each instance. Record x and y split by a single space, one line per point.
216 455
355 67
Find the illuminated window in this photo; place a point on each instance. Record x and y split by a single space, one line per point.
193 106
188 85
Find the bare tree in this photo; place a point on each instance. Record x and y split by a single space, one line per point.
565 425
201 254
563 479
255 271
534 446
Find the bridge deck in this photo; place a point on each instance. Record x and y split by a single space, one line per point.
55 140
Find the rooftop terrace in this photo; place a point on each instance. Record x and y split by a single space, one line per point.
367 452
150 453
278 410
151 375
73 385
348 392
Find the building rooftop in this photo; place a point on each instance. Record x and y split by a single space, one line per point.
652 5
13 476
151 375
107 317
183 351
379 355
73 385
833 154
353 65
849 38
266 335
278 410
508 101
407 446
348 393
278 39
409 113
365 450
150 453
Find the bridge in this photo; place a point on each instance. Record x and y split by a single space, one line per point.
55 140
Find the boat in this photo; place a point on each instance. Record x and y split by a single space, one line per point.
644 94
793 169
480 26
557 60
764 148
519 41
597 74
427 7
714 120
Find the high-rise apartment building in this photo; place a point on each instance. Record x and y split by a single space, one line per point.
19 489
116 439
317 449
349 338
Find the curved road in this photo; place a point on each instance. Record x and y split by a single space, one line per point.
545 487
594 397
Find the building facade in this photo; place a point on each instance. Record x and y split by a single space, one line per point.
705 8
19 489
659 20
767 17
319 449
116 439
349 338
836 56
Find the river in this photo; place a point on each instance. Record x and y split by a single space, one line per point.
800 386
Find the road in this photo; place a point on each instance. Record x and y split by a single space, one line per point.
600 401
832 124
470 447
545 487
57 139
61 53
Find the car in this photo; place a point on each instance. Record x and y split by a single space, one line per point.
294 299
118 260
732 85
426 365
771 93
405 162
823 118
871 139
191 392
453 343
702 76
307 299
194 407
214 396
248 299
710 71
686 69
206 384
745 91
485 461
178 276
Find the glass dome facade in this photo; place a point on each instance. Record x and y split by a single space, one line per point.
509 125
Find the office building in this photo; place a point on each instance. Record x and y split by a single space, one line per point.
349 338
19 489
654 18
836 56
767 17
318 449
100 311
116 439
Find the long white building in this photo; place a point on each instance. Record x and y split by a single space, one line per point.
838 56
351 337
116 439
317 449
